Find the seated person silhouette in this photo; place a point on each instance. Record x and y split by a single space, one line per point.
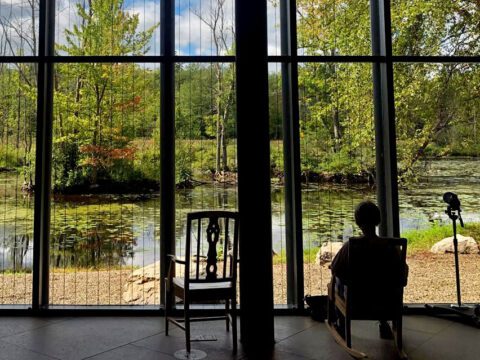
378 259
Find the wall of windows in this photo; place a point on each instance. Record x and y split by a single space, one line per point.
125 111
357 65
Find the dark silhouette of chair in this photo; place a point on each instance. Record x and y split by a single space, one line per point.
371 293
210 270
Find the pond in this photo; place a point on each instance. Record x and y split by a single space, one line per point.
117 231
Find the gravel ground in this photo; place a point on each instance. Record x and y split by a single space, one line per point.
431 279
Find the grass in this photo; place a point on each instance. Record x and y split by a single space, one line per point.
419 240
309 256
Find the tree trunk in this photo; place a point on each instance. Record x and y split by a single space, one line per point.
337 130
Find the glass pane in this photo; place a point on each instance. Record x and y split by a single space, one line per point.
337 160
277 178
333 27
204 27
205 142
104 246
17 174
435 27
19 27
273 27
438 150
107 27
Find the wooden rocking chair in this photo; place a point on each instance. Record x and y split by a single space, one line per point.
210 270
368 295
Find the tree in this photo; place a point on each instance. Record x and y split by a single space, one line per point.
18 36
431 100
96 113
336 99
224 90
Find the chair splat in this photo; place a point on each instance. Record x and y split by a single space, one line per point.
213 236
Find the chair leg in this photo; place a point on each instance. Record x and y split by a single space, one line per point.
187 325
339 338
227 308
167 306
398 338
234 323
348 331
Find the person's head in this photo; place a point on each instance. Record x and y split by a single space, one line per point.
367 216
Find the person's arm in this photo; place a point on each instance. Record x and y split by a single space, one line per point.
340 263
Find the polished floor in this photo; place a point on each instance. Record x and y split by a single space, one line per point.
298 338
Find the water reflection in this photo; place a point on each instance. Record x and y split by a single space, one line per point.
117 231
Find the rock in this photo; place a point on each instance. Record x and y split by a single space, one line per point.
143 286
466 245
327 252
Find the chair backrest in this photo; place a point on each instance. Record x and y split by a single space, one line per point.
377 274
211 248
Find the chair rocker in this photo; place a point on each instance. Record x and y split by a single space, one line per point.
366 296
210 270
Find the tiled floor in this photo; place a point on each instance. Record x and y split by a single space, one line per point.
298 338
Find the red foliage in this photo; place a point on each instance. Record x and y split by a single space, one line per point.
103 156
133 103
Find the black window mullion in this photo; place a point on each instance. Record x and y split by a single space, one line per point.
167 139
291 155
40 296
384 105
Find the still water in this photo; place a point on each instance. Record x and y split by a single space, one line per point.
123 230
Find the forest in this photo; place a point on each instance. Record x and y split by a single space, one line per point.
106 116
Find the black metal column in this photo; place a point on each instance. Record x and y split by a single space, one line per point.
43 156
167 139
291 155
256 273
383 87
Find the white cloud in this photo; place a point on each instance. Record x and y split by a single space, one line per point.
149 15
192 35
16 28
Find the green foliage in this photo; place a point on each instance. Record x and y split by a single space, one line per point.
276 156
106 116
183 163
18 119
437 105
10 157
106 29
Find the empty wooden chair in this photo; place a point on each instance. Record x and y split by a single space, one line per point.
370 292
210 270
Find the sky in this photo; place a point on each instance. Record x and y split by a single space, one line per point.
192 35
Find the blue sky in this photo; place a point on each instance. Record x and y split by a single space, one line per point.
193 37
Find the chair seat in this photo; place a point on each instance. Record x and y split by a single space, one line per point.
199 286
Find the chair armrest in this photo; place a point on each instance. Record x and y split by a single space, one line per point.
176 260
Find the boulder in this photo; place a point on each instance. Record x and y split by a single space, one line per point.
466 245
143 286
327 252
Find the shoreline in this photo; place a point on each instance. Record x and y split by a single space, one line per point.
431 280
